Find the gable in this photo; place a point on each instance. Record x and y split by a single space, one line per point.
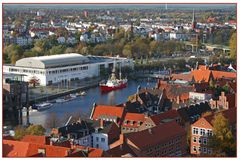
202 123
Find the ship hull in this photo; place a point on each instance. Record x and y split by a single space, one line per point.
105 88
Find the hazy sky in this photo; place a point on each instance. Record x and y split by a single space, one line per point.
89 6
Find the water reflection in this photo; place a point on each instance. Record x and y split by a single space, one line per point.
84 104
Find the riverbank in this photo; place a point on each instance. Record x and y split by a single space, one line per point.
48 93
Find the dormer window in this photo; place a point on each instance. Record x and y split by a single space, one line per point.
131 122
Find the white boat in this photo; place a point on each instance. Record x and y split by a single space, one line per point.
73 95
83 93
60 100
44 106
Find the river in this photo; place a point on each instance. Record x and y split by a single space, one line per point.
84 104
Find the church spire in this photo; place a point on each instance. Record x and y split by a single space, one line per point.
194 23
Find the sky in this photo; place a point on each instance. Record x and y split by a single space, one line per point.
112 6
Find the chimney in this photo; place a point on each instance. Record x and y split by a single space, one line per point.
178 99
150 130
101 123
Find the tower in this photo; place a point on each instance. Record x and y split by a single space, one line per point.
85 14
194 23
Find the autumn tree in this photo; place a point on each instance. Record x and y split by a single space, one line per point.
222 142
55 50
36 130
34 81
13 52
233 46
20 132
127 50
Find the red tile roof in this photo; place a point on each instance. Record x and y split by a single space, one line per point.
222 74
171 114
15 148
201 75
92 152
108 110
185 77
25 149
136 117
36 139
156 135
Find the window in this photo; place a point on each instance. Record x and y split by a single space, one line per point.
195 130
97 145
204 141
209 132
204 150
202 132
194 149
97 139
199 140
102 139
209 151
199 149
194 139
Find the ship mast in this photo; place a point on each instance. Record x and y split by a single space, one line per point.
120 73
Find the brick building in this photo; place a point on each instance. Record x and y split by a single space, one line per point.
225 101
168 139
202 129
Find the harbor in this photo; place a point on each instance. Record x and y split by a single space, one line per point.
83 104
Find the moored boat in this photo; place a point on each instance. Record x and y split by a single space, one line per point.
113 83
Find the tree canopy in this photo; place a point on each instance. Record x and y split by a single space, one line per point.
222 141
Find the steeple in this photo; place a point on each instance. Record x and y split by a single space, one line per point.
193 18
194 23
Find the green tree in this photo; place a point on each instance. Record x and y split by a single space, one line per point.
70 50
127 50
36 130
233 46
57 50
222 142
20 132
14 52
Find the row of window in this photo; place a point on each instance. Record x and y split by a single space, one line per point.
169 143
26 71
202 150
200 140
173 149
129 129
102 139
111 120
67 70
201 131
132 122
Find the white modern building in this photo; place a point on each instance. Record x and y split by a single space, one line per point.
64 67
200 96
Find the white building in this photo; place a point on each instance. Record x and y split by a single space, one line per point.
61 40
64 67
22 41
199 96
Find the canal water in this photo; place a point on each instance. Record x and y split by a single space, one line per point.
83 104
